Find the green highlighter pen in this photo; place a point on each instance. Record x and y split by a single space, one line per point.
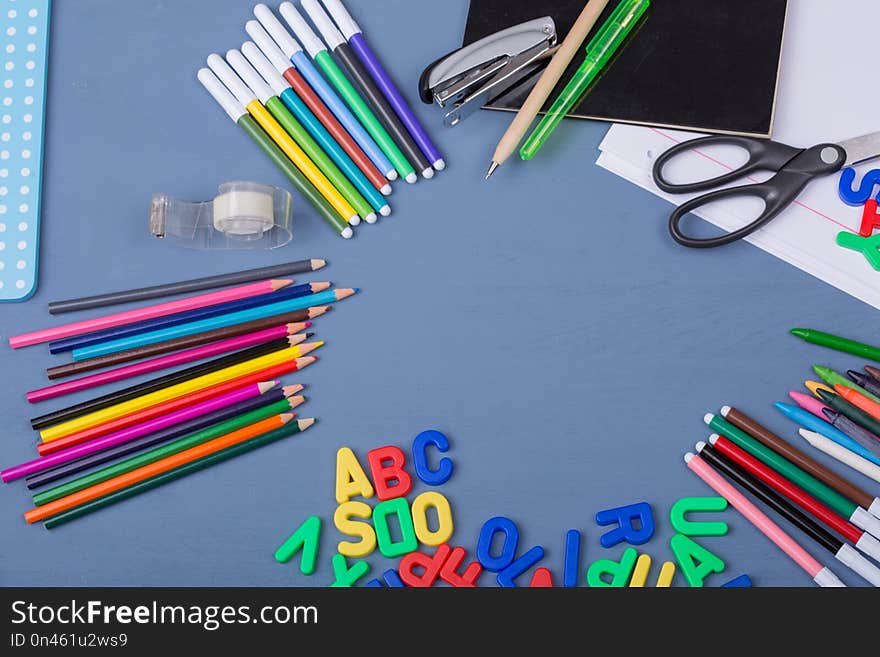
600 49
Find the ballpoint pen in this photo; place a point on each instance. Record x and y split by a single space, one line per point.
599 51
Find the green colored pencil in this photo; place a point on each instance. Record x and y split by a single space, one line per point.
836 342
832 378
153 455
290 429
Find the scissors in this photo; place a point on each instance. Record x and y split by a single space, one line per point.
795 168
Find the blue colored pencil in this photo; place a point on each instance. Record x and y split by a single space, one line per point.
229 319
115 333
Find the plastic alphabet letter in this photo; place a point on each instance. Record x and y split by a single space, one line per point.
858 196
680 523
507 576
870 219
408 542
345 576
541 579
624 517
695 561
867 246
420 506
741 582
344 523
572 558
350 477
420 458
449 571
389 477
619 571
508 549
430 565
305 538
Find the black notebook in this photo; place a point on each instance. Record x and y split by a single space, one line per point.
701 65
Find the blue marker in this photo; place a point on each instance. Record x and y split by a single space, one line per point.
304 65
811 422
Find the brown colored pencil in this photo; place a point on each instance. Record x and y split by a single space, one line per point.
296 320
742 421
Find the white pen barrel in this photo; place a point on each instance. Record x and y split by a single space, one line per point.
221 94
264 67
223 71
249 75
274 27
310 41
265 43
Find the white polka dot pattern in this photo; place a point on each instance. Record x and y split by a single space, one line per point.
23 57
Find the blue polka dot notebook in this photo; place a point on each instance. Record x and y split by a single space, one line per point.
24 47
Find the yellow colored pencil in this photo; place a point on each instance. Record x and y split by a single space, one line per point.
286 143
171 392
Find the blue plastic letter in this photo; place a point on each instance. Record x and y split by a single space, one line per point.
420 458
508 549
623 517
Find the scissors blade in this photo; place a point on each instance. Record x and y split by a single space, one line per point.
859 149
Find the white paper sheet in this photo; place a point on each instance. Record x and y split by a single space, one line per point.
825 94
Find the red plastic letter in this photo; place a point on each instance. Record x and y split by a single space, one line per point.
449 572
430 564
542 578
870 219
389 478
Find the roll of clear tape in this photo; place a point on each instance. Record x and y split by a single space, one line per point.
244 215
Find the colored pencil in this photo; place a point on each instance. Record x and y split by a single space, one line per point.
833 378
820 574
239 115
858 416
842 551
797 476
842 454
289 429
81 408
152 337
815 424
80 450
843 486
182 429
316 81
861 539
172 392
300 135
164 465
186 287
159 310
168 346
215 431
865 381
361 79
193 412
314 126
836 342
282 64
269 373
162 363
313 45
352 31
78 345
244 95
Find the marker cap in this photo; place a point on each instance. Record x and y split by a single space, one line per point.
221 94
264 67
343 19
310 41
270 49
274 27
249 75
238 88
324 23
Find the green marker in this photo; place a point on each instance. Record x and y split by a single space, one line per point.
836 342
783 466
599 51
313 44
289 429
832 378
214 431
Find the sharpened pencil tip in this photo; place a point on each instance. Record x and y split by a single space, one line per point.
305 423
291 390
492 168
317 263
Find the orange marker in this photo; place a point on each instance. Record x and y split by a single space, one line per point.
157 468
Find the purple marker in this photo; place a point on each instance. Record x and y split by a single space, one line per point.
352 32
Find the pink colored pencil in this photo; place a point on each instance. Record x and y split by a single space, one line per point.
134 431
162 362
809 404
150 312
759 519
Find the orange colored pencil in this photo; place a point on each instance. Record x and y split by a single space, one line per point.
274 372
858 400
153 469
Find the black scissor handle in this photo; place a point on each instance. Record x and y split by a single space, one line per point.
763 155
777 193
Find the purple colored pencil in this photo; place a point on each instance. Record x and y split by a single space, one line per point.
154 439
353 33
